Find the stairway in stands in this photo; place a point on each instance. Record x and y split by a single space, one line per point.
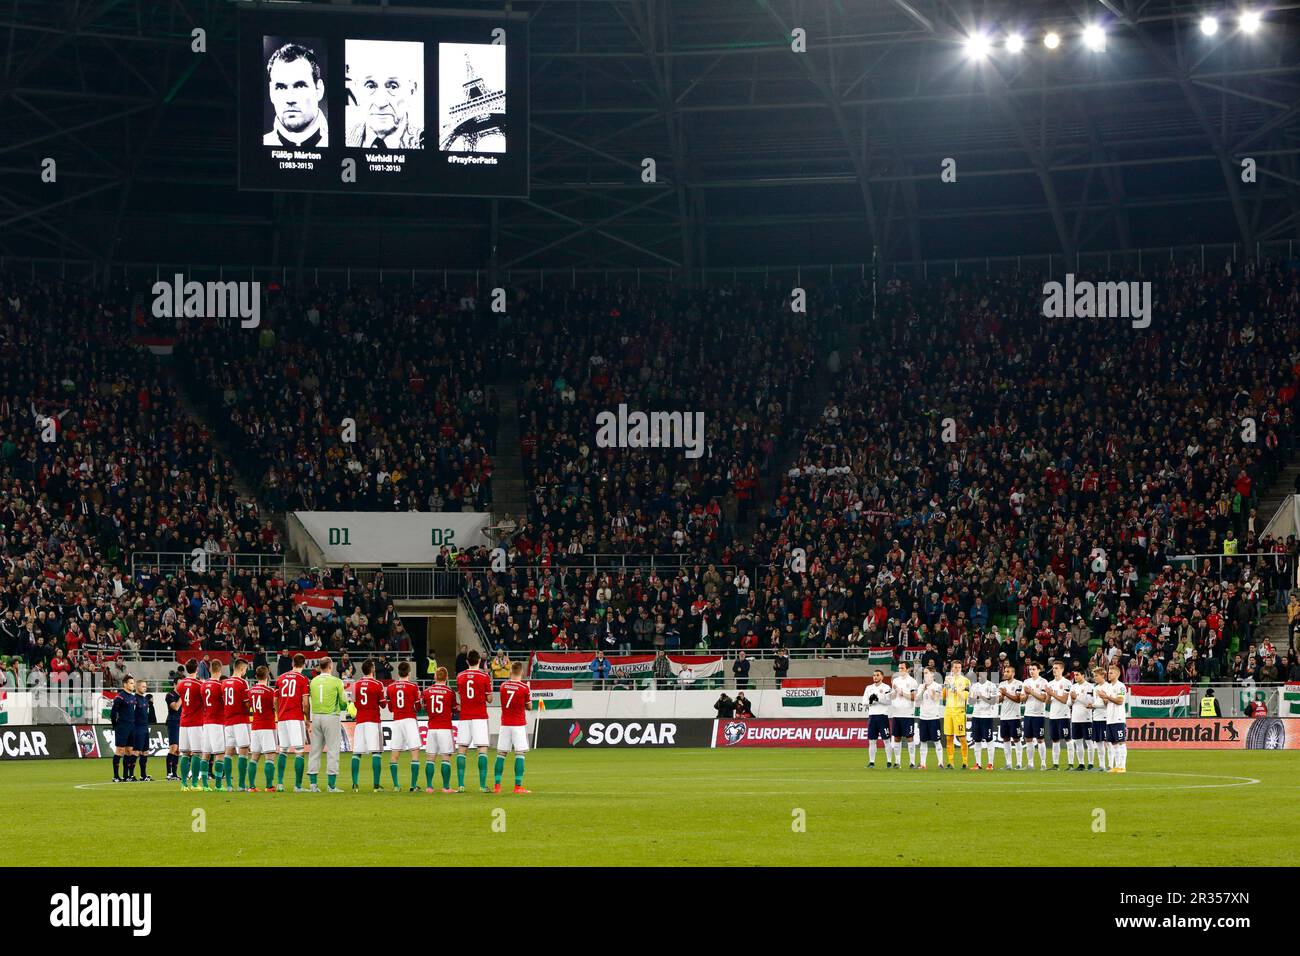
509 492
807 410
1274 627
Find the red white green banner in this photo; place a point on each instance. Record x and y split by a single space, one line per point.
802 691
319 600
1290 703
880 657
576 665
1159 700
551 694
695 670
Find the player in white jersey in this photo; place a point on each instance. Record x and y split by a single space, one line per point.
1080 720
1058 714
1011 694
877 697
1098 707
1035 713
902 709
931 722
984 700
1114 693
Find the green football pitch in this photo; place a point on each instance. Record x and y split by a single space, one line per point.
682 808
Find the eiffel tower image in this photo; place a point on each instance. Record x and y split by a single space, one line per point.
482 113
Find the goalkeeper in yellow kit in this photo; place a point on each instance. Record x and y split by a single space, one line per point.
956 688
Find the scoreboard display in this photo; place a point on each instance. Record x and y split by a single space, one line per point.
399 101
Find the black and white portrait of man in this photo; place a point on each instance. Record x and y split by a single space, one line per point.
385 81
295 93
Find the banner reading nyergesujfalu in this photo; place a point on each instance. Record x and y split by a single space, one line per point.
1159 700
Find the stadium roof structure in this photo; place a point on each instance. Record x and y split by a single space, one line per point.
762 154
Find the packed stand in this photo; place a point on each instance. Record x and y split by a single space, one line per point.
1086 456
411 370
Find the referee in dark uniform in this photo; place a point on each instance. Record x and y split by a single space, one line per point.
173 700
122 716
143 716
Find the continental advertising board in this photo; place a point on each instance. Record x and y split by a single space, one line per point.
1243 733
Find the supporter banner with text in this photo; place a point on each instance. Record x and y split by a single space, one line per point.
802 691
1290 704
576 665
551 694
408 537
1159 700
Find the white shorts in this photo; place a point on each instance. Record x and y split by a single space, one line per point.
192 740
214 738
513 738
292 734
472 733
263 741
406 735
367 738
439 743
237 736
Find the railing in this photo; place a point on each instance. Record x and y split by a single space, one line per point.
169 562
1047 263
1272 561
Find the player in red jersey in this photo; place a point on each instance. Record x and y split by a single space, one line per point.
262 743
234 702
439 701
474 688
403 698
367 734
515 698
190 689
214 727
292 701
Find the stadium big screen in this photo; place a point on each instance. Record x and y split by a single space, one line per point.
421 103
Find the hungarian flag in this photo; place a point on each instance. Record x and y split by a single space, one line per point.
880 657
802 691
551 694
1159 700
4 707
319 600
1290 700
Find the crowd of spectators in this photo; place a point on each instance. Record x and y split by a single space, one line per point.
410 370
99 463
979 480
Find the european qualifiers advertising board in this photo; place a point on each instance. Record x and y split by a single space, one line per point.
403 101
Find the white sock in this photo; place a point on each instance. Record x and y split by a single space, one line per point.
1042 753
1006 752
911 753
938 752
871 751
1056 753
1123 756
1028 750
979 750
923 752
